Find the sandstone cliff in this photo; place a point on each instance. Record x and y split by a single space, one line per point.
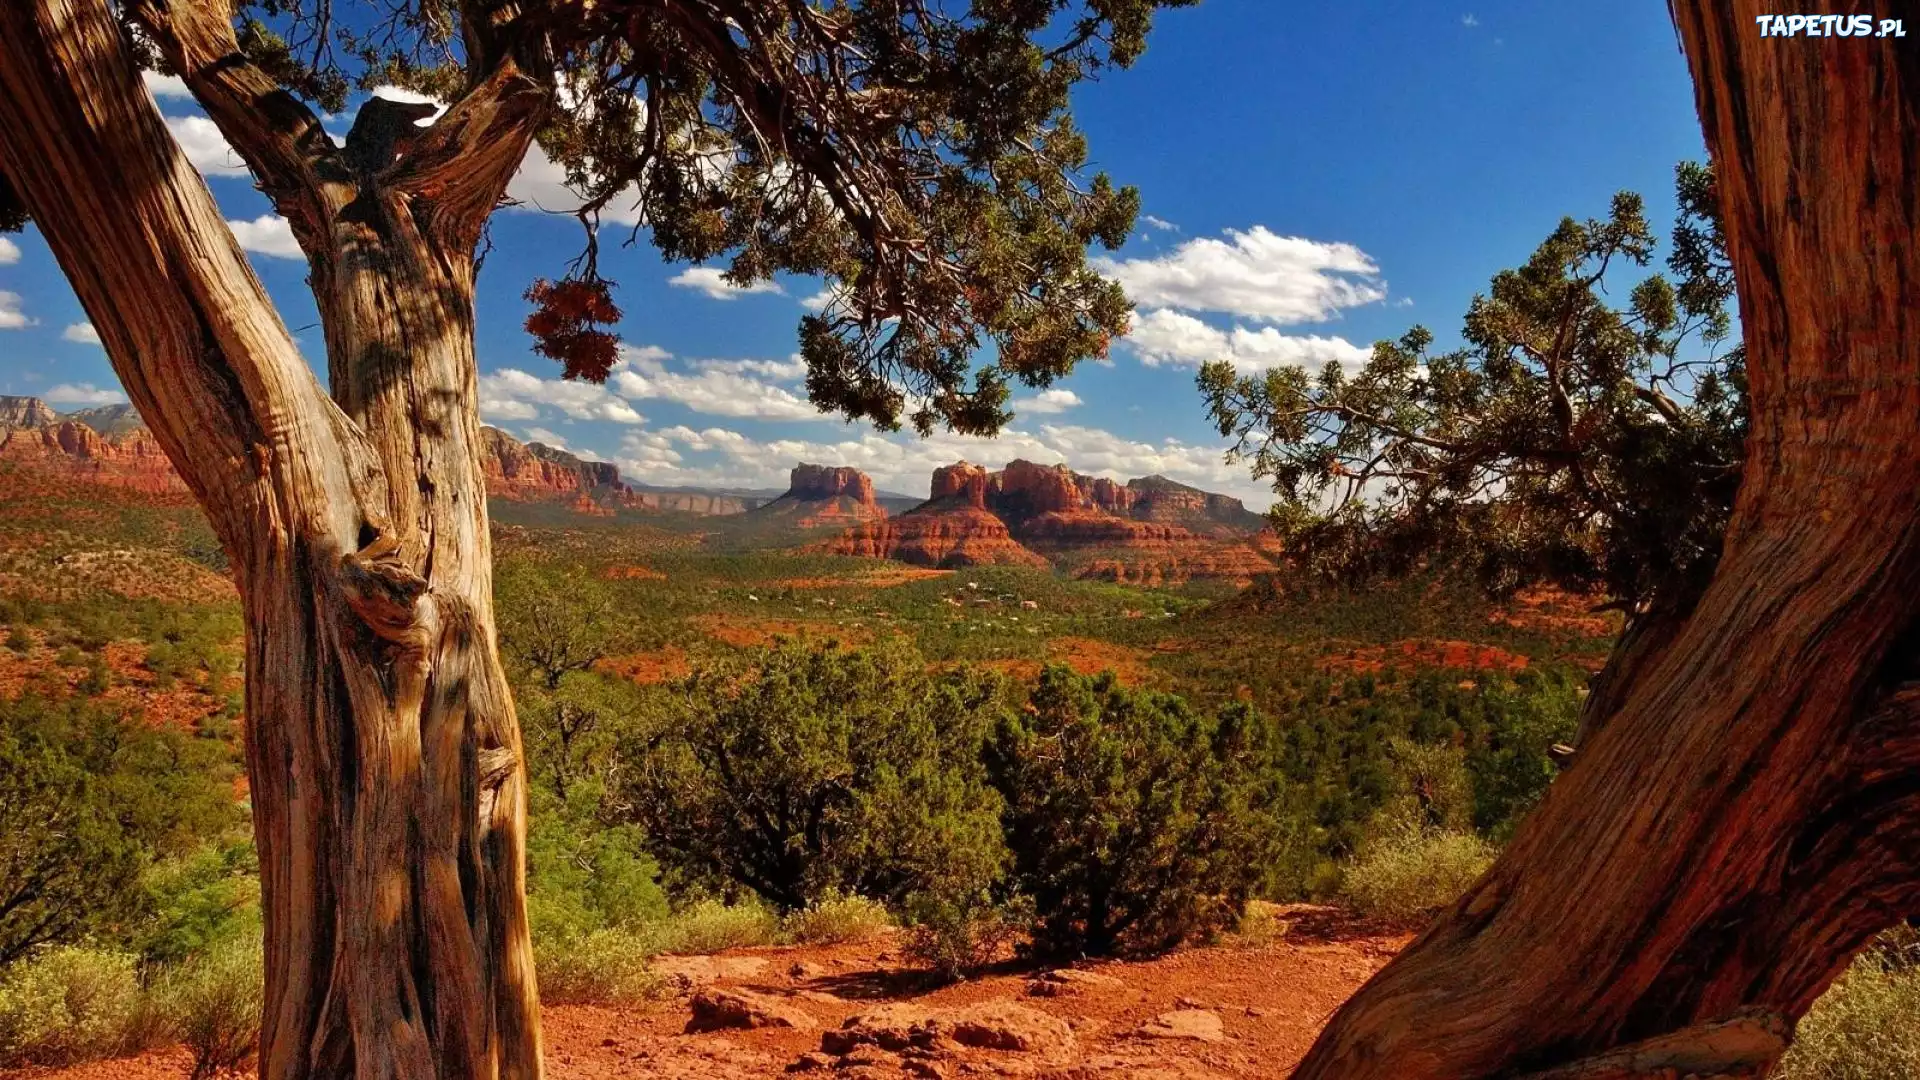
1149 531
109 445
823 495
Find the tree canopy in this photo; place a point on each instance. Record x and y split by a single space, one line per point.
920 155
1568 441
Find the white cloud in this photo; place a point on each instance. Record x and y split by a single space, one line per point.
268 234
11 317
512 394
82 332
1469 20
1256 274
792 369
1047 402
1158 223
9 252
165 86
819 301
1163 338
83 394
716 388
206 147
709 280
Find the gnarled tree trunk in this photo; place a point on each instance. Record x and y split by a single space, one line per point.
388 789
1749 816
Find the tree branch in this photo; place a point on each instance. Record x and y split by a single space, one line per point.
279 138
461 165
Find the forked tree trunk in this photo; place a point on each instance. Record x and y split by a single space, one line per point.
384 759
1749 816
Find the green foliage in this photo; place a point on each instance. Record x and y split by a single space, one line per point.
583 877
1862 1028
87 797
1135 821
1412 870
1568 442
953 936
710 926
795 772
213 1003
600 967
199 900
835 919
926 162
68 1003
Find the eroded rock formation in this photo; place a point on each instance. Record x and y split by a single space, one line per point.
1150 531
824 495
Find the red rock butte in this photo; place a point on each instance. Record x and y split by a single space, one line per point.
1149 531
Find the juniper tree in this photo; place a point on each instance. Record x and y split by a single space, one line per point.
1567 442
921 156
1744 821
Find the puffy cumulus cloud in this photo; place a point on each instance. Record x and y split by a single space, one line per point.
11 315
83 394
715 387
749 389
1047 402
206 147
269 235
711 281
1171 338
9 252
165 86
512 394
1256 274
82 332
684 456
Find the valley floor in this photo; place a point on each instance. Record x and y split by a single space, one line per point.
1216 1012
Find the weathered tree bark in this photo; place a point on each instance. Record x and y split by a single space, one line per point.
383 753
1750 815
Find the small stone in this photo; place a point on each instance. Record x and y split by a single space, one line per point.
1063 982
717 1010
1003 1025
1198 1025
809 1061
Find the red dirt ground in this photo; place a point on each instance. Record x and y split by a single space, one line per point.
1270 999
1415 655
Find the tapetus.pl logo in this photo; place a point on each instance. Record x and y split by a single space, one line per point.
1829 26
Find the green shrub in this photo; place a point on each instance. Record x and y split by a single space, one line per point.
796 772
710 926
213 1001
953 937
194 901
1135 821
835 919
68 1003
1412 871
87 796
584 877
603 967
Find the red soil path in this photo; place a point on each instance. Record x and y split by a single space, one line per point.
1270 999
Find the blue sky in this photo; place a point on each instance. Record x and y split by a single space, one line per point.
1312 180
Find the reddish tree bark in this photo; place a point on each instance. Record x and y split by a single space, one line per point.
388 791
1749 815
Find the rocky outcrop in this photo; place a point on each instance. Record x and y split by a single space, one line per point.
111 446
823 495
74 452
538 473
26 412
1150 531
954 535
